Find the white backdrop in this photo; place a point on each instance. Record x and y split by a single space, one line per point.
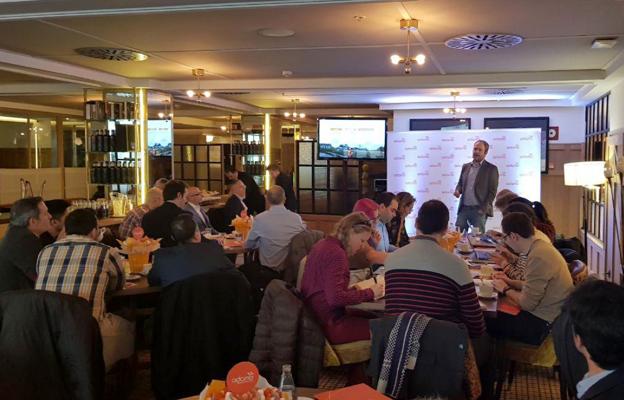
427 164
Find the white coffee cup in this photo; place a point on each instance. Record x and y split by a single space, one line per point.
486 271
486 288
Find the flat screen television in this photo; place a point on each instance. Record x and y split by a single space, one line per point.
352 138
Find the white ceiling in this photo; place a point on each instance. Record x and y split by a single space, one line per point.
336 61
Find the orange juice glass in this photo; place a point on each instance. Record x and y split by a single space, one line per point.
138 260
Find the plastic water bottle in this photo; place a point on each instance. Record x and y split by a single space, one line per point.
287 383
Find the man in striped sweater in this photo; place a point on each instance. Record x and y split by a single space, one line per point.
425 278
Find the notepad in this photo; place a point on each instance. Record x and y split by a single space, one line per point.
367 284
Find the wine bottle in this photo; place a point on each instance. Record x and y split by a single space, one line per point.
112 141
92 173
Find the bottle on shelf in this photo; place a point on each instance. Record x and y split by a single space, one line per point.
111 141
93 173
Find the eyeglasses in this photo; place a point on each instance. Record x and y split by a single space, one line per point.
505 236
364 223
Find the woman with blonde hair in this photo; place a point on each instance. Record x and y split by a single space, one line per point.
325 284
396 227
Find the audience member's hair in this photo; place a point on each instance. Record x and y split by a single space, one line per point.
597 314
521 208
366 206
160 183
230 169
518 223
353 223
503 198
183 228
484 143
25 209
80 222
384 198
274 167
522 200
276 195
541 213
433 217
172 188
153 197
405 200
57 207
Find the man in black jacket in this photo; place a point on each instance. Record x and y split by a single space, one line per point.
157 223
253 197
286 182
597 313
20 246
190 257
235 204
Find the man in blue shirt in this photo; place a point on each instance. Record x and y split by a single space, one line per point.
388 206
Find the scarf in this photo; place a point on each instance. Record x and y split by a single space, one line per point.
401 352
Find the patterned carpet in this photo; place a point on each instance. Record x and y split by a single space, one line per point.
530 383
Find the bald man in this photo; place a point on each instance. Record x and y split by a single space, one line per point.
235 204
193 200
153 199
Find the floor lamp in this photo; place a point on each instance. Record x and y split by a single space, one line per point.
587 174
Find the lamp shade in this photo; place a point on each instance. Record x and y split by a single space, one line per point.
584 173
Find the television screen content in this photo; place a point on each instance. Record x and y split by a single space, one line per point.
352 138
159 134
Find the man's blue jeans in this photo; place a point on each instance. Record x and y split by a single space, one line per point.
471 215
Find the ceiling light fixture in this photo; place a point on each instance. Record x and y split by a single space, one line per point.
276 32
294 115
199 94
409 25
454 110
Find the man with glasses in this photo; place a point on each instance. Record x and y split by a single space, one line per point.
388 206
194 198
540 296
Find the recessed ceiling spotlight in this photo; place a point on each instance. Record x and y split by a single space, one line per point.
286 73
359 18
483 41
604 43
276 32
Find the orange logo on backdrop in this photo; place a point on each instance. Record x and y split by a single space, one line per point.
242 378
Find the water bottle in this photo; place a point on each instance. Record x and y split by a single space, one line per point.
287 383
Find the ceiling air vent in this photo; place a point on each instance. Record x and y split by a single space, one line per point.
502 91
111 53
483 41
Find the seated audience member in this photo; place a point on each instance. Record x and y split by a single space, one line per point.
253 196
194 198
160 183
21 245
541 222
58 210
157 222
540 297
388 206
514 265
503 198
369 254
396 227
597 314
78 265
273 230
153 200
285 181
235 204
425 278
190 257
326 278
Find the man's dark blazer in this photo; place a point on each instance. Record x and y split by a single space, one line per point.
232 209
253 197
286 182
202 223
18 259
157 223
485 187
177 263
611 387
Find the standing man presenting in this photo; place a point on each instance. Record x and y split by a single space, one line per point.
477 186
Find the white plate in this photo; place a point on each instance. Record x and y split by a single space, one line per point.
133 277
492 297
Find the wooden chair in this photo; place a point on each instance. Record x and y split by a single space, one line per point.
510 353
